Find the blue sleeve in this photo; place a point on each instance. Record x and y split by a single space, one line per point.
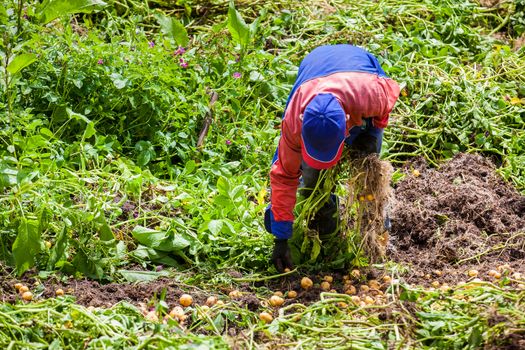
280 229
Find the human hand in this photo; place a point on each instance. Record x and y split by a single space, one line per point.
282 257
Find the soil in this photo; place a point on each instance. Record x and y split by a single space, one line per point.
460 216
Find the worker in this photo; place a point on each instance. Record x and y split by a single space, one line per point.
341 97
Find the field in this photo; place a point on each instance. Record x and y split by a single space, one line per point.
135 143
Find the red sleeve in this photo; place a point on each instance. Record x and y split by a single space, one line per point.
285 173
391 93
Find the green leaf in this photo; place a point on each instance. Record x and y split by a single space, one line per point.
20 62
77 116
143 253
215 226
475 338
27 245
159 240
58 249
104 231
146 152
90 130
223 186
51 9
89 267
239 30
3 15
142 276
174 29
119 81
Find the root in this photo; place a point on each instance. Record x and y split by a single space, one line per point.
370 193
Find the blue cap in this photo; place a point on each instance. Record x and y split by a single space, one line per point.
323 132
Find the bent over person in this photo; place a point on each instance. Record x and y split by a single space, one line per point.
341 96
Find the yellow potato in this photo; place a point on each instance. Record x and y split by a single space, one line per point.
350 290
276 301
266 317
325 286
472 273
234 294
185 300
292 294
211 300
27 296
306 283
328 279
374 284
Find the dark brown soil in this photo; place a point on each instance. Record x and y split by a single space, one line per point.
460 216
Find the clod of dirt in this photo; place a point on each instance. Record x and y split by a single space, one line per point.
462 213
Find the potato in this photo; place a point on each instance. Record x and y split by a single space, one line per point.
212 300
355 299
369 197
369 300
18 286
23 289
472 273
355 273
276 301
266 317
416 173
278 293
374 284
325 286
445 287
27 296
364 288
328 279
59 292
177 313
306 283
234 294
185 300
350 290
152 316
292 294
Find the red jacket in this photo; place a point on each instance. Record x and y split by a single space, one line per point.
361 94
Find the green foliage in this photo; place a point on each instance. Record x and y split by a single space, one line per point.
52 9
20 62
102 109
27 244
174 29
